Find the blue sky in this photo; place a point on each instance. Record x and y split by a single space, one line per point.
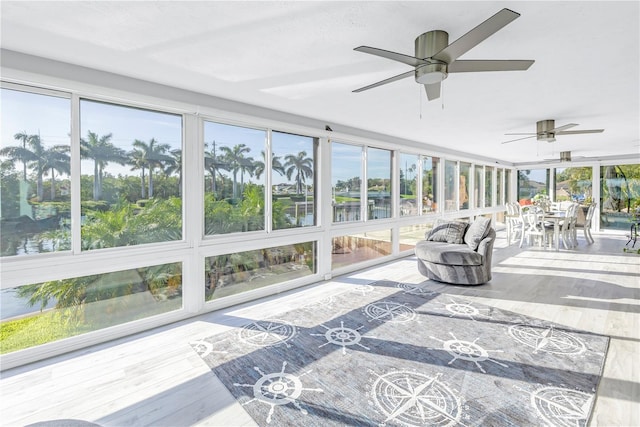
49 116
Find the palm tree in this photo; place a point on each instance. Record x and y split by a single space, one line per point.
21 154
56 159
138 161
276 165
155 156
24 137
237 162
214 163
301 165
39 159
175 166
102 151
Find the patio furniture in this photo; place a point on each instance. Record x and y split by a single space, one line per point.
568 227
533 226
633 232
455 253
587 224
513 221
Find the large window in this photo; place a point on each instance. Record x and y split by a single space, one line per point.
507 186
450 185
234 162
478 186
463 189
378 183
408 184
488 186
244 271
619 196
43 312
35 169
499 187
131 175
532 182
355 248
573 184
293 187
346 181
430 167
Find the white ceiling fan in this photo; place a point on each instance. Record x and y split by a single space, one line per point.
435 58
546 130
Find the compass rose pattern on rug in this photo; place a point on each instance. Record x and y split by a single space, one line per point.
391 354
389 311
266 333
548 339
559 406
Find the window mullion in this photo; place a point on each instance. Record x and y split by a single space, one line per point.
76 210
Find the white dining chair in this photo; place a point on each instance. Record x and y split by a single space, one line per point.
533 227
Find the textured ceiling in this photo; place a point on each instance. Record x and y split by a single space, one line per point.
298 57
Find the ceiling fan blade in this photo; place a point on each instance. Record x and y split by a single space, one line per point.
476 36
518 139
525 133
467 66
433 91
389 80
400 57
576 132
563 127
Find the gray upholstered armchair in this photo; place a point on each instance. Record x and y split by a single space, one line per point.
461 257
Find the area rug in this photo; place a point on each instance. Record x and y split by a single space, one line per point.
393 354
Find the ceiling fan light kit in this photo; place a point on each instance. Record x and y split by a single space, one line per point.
435 58
427 45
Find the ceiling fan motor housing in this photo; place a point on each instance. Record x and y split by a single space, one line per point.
427 45
544 130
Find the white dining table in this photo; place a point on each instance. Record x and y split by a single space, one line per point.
556 217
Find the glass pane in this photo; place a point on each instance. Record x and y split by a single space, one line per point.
507 186
35 202
234 178
44 312
478 187
244 271
293 180
408 184
346 181
499 187
429 184
355 248
450 185
412 234
488 186
533 185
574 184
463 190
378 183
131 175
619 196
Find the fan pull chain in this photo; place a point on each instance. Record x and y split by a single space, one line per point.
420 97
442 95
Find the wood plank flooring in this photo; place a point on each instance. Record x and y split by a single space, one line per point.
156 379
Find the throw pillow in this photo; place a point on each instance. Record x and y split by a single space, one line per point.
448 231
477 231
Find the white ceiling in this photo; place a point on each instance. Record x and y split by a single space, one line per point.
298 57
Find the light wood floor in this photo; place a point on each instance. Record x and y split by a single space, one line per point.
156 379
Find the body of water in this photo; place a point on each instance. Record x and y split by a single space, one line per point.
12 306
